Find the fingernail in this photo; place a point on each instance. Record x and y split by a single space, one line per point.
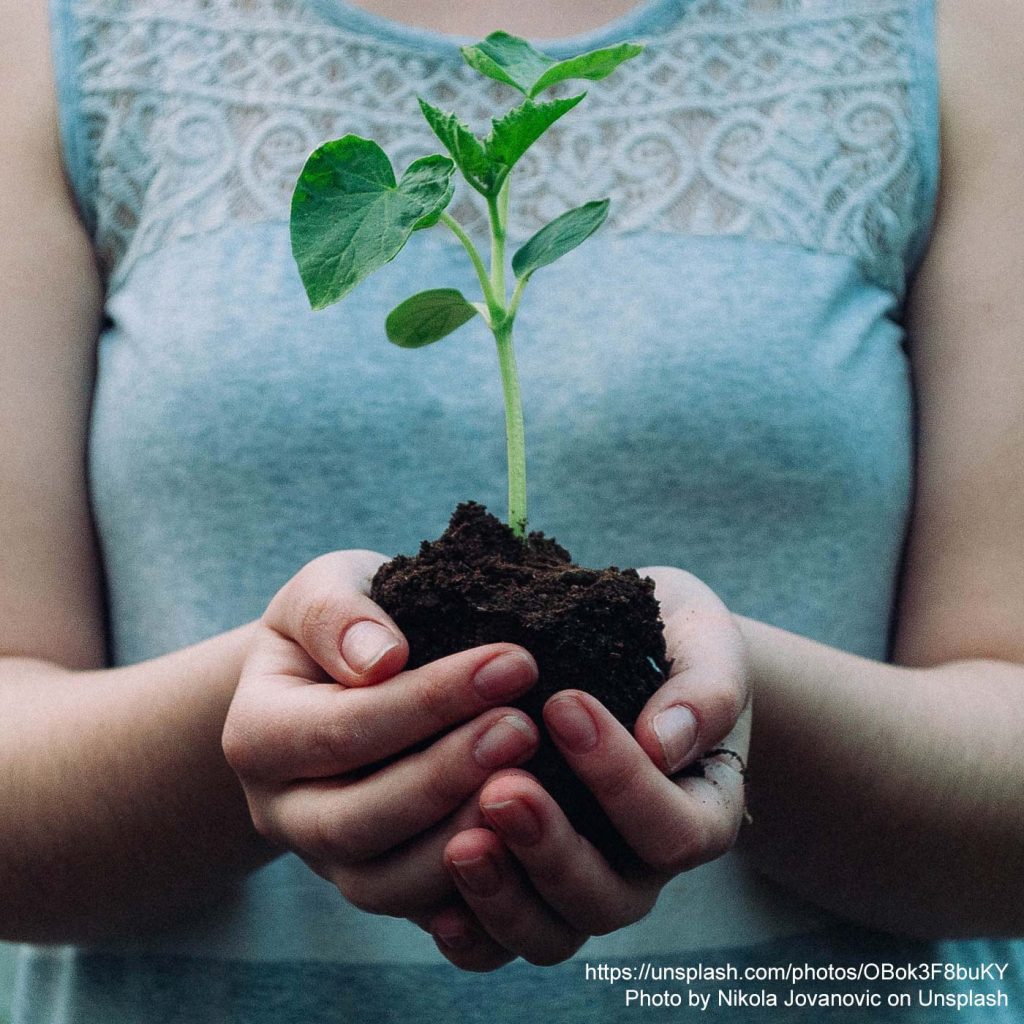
676 729
572 725
508 740
365 643
515 821
480 875
505 676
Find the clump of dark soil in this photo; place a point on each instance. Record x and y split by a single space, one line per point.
596 630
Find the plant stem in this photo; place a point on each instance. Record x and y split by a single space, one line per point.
515 435
501 326
502 316
497 207
494 302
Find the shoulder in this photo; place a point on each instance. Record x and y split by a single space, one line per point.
979 227
980 45
28 105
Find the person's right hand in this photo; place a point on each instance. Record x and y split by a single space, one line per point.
362 769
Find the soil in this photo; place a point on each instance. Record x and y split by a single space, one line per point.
596 630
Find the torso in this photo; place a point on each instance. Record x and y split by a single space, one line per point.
236 436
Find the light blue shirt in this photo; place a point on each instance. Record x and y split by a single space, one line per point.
716 381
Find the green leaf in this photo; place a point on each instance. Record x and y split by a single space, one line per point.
466 149
349 217
512 135
592 66
562 235
428 317
509 59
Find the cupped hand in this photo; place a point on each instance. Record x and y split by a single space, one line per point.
367 771
532 886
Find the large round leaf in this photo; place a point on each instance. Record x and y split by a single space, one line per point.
349 216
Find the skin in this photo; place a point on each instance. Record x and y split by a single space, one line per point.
536 19
889 793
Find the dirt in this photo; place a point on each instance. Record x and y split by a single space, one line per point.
596 630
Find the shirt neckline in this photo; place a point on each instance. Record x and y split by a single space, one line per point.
643 20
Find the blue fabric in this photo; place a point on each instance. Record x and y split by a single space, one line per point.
718 382
182 990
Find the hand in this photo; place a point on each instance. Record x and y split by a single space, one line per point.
322 714
535 888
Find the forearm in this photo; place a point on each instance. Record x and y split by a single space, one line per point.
119 809
890 795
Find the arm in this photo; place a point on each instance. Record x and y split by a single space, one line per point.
116 803
904 783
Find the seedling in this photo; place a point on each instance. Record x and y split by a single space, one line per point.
350 216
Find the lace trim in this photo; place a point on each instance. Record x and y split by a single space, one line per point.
779 120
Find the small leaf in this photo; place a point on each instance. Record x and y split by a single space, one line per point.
592 66
349 217
428 317
466 149
512 135
509 59
562 235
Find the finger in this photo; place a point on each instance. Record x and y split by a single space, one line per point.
461 940
706 691
565 870
505 904
348 822
283 729
411 881
671 825
325 608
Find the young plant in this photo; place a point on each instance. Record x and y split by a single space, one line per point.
350 216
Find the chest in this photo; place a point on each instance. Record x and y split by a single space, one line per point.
533 19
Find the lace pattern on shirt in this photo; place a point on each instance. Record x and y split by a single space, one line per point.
782 120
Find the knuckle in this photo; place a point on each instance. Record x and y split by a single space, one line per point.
241 747
331 835
293 594
442 785
618 783
317 622
433 700
334 742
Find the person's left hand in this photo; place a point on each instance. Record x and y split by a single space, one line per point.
533 887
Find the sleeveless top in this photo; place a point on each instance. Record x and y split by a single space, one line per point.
716 381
